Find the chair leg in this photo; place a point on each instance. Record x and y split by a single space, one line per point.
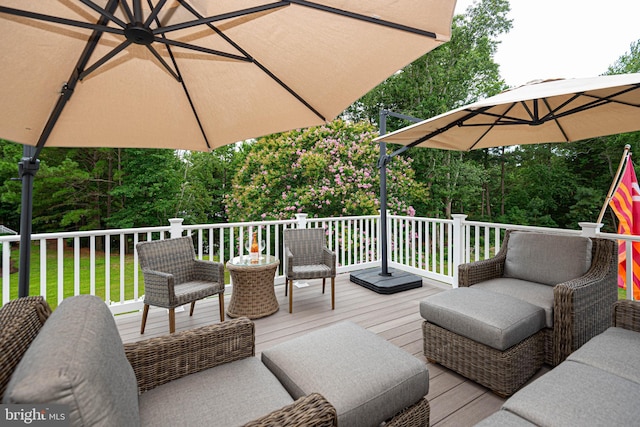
333 293
221 303
290 296
193 305
145 311
172 320
324 280
286 286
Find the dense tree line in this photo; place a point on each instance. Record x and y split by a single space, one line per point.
332 170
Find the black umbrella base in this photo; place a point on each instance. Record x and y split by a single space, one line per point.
398 281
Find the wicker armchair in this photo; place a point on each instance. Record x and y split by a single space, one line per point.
307 257
174 277
582 308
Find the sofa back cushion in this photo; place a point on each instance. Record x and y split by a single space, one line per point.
78 360
546 258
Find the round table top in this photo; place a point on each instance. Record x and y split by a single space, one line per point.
247 261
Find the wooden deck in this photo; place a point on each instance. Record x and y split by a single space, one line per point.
454 400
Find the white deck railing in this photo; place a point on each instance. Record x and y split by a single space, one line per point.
104 262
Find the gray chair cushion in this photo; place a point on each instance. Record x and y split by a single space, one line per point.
533 293
496 320
546 258
366 378
572 394
78 360
616 351
231 394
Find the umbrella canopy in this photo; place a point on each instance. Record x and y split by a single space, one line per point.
538 112
198 74
192 74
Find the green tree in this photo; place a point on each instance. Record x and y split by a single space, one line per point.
147 190
323 171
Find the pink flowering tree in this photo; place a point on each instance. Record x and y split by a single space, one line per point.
323 171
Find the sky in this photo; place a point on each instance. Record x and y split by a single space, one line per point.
564 38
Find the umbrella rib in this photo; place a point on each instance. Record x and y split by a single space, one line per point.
202 20
104 59
154 12
104 13
364 18
555 120
164 63
201 49
127 10
184 87
259 65
103 28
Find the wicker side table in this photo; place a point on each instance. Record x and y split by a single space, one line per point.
253 293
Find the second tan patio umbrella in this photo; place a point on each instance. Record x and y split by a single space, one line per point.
538 112
193 74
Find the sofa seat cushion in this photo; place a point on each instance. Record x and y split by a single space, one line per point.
496 320
572 394
366 378
504 418
616 351
547 258
231 394
78 360
533 293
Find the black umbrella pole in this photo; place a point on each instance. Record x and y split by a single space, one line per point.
27 168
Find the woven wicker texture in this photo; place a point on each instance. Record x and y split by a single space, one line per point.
253 294
582 307
157 361
626 314
20 322
503 372
307 257
174 277
416 415
308 411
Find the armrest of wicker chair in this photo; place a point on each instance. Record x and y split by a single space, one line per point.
157 361
626 314
583 307
288 255
329 259
308 411
159 288
479 271
209 271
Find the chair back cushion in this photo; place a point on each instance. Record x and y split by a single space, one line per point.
20 322
306 245
78 360
546 258
173 256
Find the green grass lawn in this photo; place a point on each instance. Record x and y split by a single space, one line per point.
85 275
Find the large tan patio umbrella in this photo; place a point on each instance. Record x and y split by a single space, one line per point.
193 74
538 112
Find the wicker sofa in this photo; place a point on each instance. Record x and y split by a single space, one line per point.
106 383
203 376
598 384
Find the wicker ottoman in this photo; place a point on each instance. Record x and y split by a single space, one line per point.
367 379
493 339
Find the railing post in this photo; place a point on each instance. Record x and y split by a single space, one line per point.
458 244
176 227
301 218
590 229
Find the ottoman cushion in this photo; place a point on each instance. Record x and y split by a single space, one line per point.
366 378
496 320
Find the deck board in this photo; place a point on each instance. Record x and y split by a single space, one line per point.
454 400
